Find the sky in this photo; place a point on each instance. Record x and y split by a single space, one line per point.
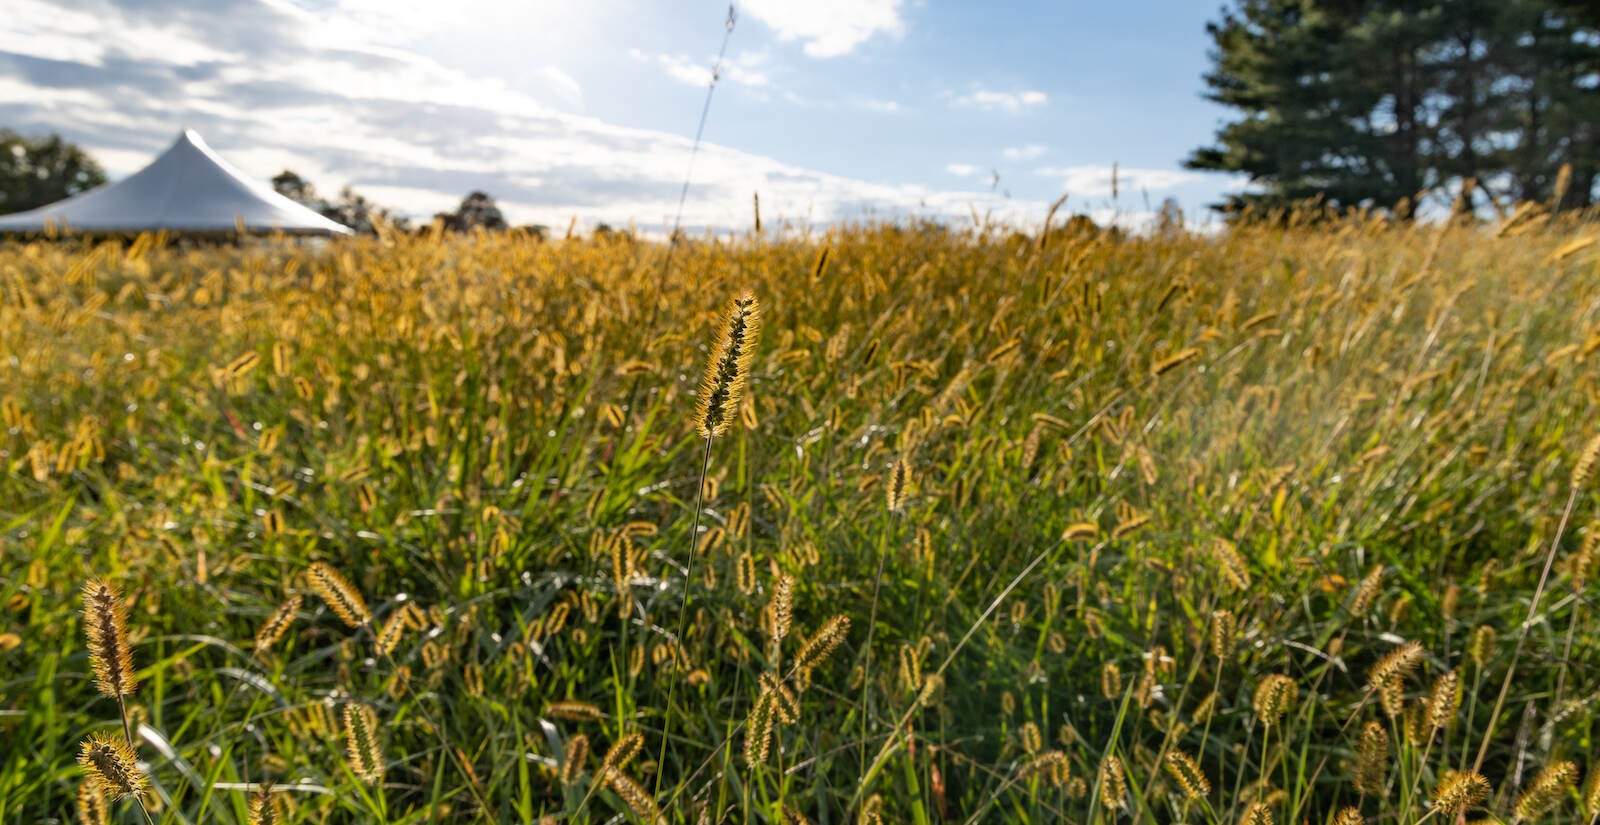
586 110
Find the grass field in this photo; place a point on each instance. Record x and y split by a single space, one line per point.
1248 528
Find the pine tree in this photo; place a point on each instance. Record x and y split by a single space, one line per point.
1382 103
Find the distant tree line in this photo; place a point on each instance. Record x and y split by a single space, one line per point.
1382 103
476 211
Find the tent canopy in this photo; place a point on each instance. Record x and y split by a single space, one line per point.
187 189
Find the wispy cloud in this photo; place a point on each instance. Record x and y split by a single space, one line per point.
961 170
995 101
828 28
1032 151
744 69
1095 180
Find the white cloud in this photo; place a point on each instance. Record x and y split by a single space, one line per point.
340 107
1095 180
993 101
961 170
1032 151
829 28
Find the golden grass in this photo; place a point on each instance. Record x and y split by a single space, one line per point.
1286 479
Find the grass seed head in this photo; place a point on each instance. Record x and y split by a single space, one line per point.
342 598
728 368
1372 760
1445 700
1224 634
361 742
1553 785
1349 816
634 796
1458 791
1274 696
1183 770
1257 814
758 728
899 481
92 807
393 628
573 711
572 761
277 624
1584 469
112 766
821 645
1395 665
782 606
1110 680
622 752
264 807
1113 783
105 622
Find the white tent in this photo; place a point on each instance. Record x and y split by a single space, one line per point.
187 189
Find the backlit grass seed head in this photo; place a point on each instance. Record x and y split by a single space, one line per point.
728 368
1481 649
572 761
1174 361
1372 760
1349 816
1113 783
1235 571
899 481
1458 791
1591 792
1183 770
1275 695
105 622
573 711
1029 735
1546 791
361 742
634 796
92 809
1052 764
1395 665
1445 700
277 624
264 807
1587 460
931 684
782 607
1257 814
389 637
1367 590
342 598
758 729
785 704
821 645
1224 633
622 752
112 766
1110 680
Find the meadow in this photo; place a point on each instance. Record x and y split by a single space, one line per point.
1288 524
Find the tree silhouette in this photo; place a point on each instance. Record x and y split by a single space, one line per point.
39 171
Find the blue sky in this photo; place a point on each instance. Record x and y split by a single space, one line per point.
832 109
